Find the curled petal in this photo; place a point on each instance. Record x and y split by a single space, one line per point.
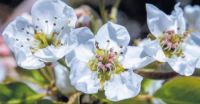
158 22
183 66
123 86
113 36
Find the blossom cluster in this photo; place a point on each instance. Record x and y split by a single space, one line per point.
104 61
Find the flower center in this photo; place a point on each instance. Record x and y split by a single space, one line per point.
105 63
171 43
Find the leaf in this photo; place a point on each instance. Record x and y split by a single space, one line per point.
17 92
180 90
45 101
32 75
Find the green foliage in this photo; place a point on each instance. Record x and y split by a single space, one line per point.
180 90
33 76
18 93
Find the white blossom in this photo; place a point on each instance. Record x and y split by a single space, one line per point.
169 40
106 62
46 38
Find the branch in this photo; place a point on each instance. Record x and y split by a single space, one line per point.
156 74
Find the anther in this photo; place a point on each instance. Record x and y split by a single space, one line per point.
27 39
54 24
108 41
46 21
27 32
55 17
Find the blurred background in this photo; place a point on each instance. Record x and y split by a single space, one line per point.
131 14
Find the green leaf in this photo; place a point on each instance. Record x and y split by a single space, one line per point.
32 75
136 100
45 101
180 90
17 92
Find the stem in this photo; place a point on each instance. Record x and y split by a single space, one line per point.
103 12
51 72
114 12
156 74
45 75
75 98
62 62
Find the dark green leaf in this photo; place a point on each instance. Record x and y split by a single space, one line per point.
17 93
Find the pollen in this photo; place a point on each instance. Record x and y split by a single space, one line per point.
105 63
171 43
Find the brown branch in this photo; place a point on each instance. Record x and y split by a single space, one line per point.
156 74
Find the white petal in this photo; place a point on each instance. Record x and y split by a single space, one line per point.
135 57
192 14
53 11
85 39
51 53
84 52
183 66
26 60
83 79
179 18
123 86
154 50
83 34
16 37
158 22
191 52
62 80
194 38
116 34
3 72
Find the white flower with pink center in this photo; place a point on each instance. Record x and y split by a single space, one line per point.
169 40
46 38
106 62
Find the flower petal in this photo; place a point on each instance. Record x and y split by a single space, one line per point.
192 14
158 22
154 50
179 18
26 60
191 52
3 72
53 14
51 53
123 86
183 66
135 57
85 39
83 79
62 80
84 52
20 42
116 34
